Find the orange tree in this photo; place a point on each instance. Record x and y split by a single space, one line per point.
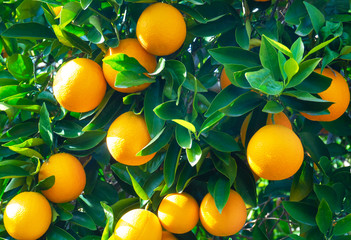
133 90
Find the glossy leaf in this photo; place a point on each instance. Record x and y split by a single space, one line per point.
121 62
225 164
221 193
269 58
314 83
171 163
194 154
302 184
46 183
83 220
297 50
30 30
243 104
158 142
235 55
301 212
86 141
263 80
305 69
56 233
137 188
329 195
10 171
169 111
316 16
319 47
324 217
291 67
67 129
183 137
221 141
273 107
279 46
20 66
45 126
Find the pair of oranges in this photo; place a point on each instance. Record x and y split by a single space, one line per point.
80 85
28 215
179 213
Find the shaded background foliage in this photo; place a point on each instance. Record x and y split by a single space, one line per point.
194 127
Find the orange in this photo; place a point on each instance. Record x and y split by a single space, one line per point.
168 236
178 212
126 136
161 29
275 152
279 118
69 175
27 216
227 223
224 81
132 48
79 85
57 10
138 224
338 93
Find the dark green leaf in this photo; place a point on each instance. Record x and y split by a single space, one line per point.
126 79
171 163
243 104
245 184
236 74
273 107
211 121
329 195
301 212
279 46
213 28
158 142
221 141
56 233
259 234
302 183
241 37
183 137
137 188
69 12
305 69
235 55
86 141
324 217
67 129
221 193
316 16
121 62
269 58
225 164
31 30
342 226
85 3
170 110
319 47
186 175
120 207
314 83
314 146
10 171
46 183
83 220
27 9
45 126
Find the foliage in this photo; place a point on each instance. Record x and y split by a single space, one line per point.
269 51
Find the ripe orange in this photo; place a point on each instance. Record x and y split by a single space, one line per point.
275 152
132 48
338 92
126 136
279 118
161 29
168 236
79 85
27 216
138 224
224 81
227 223
178 212
69 175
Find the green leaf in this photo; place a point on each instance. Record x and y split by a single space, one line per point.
282 61
46 183
236 74
194 154
263 81
302 183
297 50
27 9
32 142
211 121
221 141
24 129
26 152
319 47
185 124
314 146
224 98
121 62
84 220
301 212
291 67
31 30
11 171
85 3
242 37
186 175
324 217
269 58
225 164
171 163
305 69
258 234
56 233
342 226
235 55
45 126
215 27
314 83
153 182
120 207
153 97
86 141
279 46
169 110
329 195
67 129
20 66
243 104
183 137
69 12
126 79
158 142
221 193
137 188
272 107
317 18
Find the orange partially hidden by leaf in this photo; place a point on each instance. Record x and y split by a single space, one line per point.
27 216
161 29
230 221
168 236
79 85
338 92
138 224
178 212
57 10
275 152
69 175
132 48
224 81
126 136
